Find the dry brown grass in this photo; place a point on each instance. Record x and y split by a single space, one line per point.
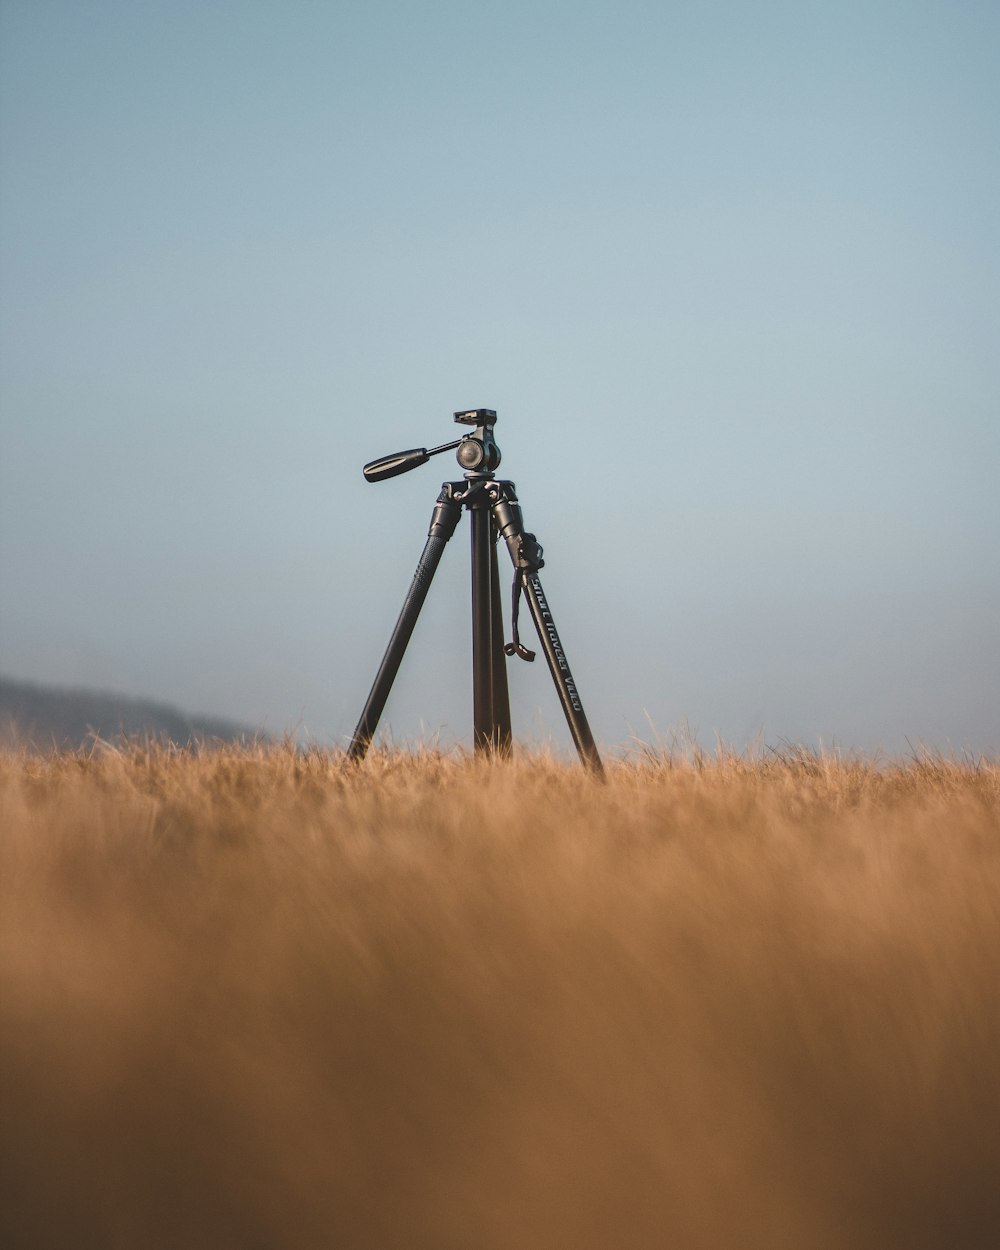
262 999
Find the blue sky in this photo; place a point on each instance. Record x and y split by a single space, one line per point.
728 272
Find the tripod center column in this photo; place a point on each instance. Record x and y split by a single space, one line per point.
482 624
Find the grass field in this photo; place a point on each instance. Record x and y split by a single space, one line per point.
254 999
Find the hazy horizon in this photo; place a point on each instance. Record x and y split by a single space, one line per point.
727 273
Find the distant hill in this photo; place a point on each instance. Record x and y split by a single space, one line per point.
51 716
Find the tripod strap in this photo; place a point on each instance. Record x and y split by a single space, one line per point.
515 647
529 559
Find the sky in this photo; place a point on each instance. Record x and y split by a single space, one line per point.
727 271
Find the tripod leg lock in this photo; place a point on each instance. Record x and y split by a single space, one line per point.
529 560
447 512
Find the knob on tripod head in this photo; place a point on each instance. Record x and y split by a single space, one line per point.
477 452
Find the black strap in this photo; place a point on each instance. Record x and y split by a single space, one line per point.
515 647
529 560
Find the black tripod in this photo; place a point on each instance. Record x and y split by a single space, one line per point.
495 513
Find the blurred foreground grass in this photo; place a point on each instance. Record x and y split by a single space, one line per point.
254 998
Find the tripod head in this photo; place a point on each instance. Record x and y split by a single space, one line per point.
478 453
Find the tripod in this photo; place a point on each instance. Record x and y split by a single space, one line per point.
495 513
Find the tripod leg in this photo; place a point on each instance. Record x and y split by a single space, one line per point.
507 513
482 631
443 522
541 614
502 735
